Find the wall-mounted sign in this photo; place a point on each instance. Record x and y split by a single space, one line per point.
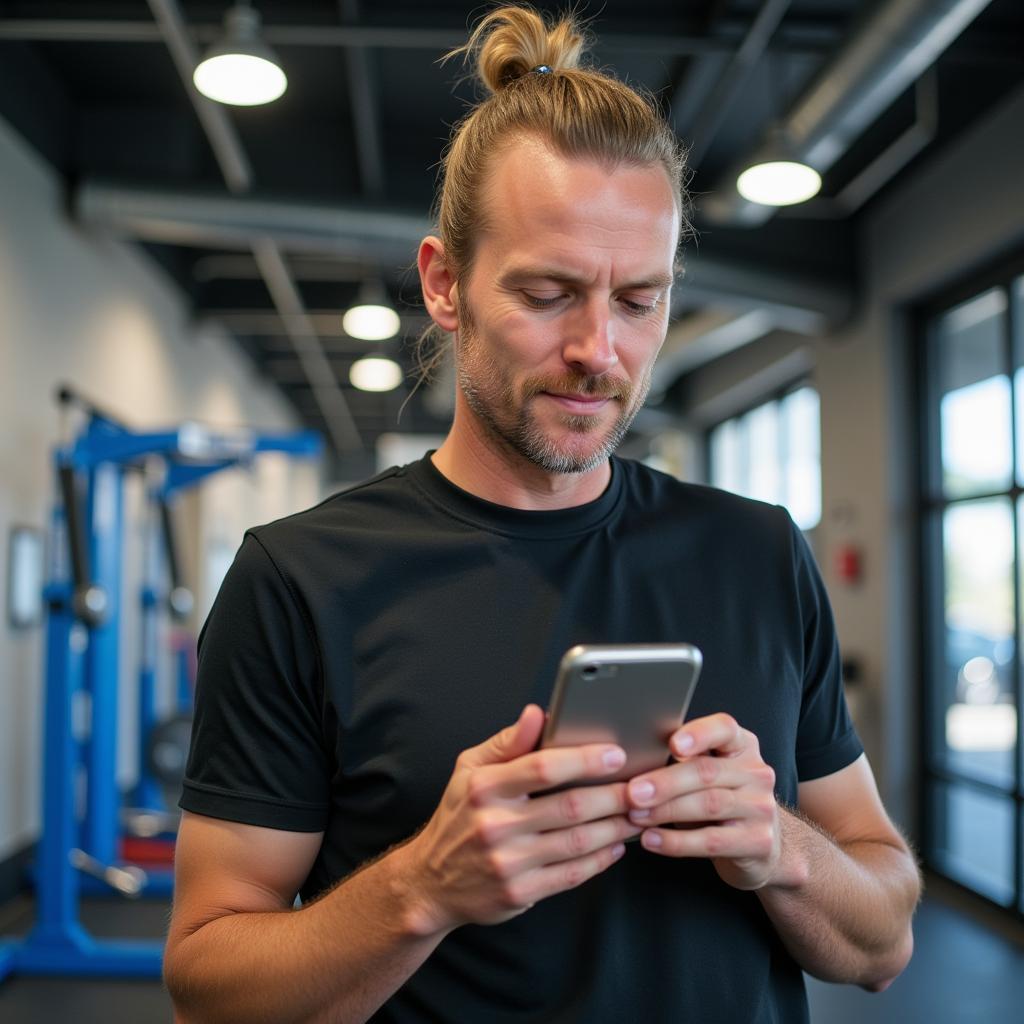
25 577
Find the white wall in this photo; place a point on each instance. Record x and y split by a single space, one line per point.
78 308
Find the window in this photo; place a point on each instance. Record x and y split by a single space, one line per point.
773 453
972 527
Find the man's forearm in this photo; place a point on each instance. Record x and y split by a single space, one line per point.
843 912
336 960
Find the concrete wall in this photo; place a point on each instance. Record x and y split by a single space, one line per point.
96 313
962 210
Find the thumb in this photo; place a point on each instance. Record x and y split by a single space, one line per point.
513 741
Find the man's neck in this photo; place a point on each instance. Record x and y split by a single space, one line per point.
477 463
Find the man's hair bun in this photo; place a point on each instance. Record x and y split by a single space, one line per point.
512 41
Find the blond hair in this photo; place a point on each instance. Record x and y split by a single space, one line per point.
580 112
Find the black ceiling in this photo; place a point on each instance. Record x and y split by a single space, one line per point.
93 87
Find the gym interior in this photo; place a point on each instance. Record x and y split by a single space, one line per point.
208 318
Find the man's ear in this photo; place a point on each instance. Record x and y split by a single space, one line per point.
438 284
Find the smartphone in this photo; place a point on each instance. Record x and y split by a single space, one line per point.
634 695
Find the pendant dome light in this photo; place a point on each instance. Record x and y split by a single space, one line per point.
240 69
779 183
373 373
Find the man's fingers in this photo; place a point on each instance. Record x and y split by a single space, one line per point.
693 775
540 883
580 840
730 842
512 742
548 769
709 805
527 853
720 733
575 806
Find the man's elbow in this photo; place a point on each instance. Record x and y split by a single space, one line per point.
180 987
886 970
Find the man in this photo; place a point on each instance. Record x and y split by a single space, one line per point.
360 654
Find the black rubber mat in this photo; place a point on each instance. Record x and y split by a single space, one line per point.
35 1000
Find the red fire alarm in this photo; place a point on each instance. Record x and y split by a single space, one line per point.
848 563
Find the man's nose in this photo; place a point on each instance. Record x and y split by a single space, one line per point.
590 345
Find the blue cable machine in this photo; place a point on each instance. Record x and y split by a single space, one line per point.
83 600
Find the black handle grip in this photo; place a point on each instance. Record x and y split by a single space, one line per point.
80 574
170 544
181 600
89 601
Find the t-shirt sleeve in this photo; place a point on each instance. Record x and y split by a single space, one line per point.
257 753
826 738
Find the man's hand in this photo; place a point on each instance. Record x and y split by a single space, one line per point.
491 849
722 794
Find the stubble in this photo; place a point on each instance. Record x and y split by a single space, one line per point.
508 416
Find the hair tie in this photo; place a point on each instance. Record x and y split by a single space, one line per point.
542 69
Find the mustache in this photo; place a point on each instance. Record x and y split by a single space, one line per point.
578 384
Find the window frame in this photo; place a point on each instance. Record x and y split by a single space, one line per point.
776 394
931 504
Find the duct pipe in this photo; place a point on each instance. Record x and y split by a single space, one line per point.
891 50
215 221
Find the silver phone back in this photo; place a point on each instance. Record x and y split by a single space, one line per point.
635 695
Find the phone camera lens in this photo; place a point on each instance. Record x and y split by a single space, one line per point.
589 671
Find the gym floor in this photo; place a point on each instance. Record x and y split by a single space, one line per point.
968 967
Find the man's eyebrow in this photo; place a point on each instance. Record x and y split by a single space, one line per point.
560 274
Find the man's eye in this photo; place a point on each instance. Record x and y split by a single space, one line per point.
540 303
642 308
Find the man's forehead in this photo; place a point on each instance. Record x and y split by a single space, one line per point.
531 171
536 198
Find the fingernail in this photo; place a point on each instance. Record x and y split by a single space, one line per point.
614 758
618 850
684 743
641 790
651 839
639 814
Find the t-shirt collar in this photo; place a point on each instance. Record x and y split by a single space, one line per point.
562 522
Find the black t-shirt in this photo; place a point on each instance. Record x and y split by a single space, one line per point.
356 648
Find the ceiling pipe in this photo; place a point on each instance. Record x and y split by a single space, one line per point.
237 173
887 164
893 47
204 220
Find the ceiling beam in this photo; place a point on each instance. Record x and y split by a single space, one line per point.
220 132
734 77
362 89
283 292
378 37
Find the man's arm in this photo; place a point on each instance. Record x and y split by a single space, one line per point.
236 950
841 892
847 883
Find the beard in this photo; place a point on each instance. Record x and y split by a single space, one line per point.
507 413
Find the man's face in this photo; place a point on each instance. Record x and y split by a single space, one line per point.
566 304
